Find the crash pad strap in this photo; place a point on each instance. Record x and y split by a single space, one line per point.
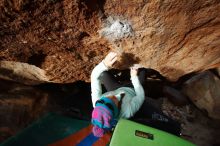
89 140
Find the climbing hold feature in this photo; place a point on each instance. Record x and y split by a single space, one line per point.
116 29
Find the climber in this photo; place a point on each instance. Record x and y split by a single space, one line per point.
121 100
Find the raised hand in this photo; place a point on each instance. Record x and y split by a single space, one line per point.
110 59
134 69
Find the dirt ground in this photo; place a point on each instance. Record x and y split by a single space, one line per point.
196 126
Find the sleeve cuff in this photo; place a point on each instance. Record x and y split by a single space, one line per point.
103 66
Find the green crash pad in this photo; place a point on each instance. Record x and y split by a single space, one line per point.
128 133
55 130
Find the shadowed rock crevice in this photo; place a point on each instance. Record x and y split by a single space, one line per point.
37 59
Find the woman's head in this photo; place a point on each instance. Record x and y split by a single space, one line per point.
103 116
101 119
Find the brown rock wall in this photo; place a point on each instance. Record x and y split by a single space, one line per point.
62 37
172 37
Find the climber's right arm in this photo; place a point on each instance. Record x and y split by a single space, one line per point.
96 72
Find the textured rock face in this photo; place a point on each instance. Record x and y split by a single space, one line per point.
63 37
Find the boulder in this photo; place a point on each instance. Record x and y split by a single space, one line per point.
68 38
204 91
22 72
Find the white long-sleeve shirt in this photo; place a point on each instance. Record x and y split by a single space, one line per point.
132 100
